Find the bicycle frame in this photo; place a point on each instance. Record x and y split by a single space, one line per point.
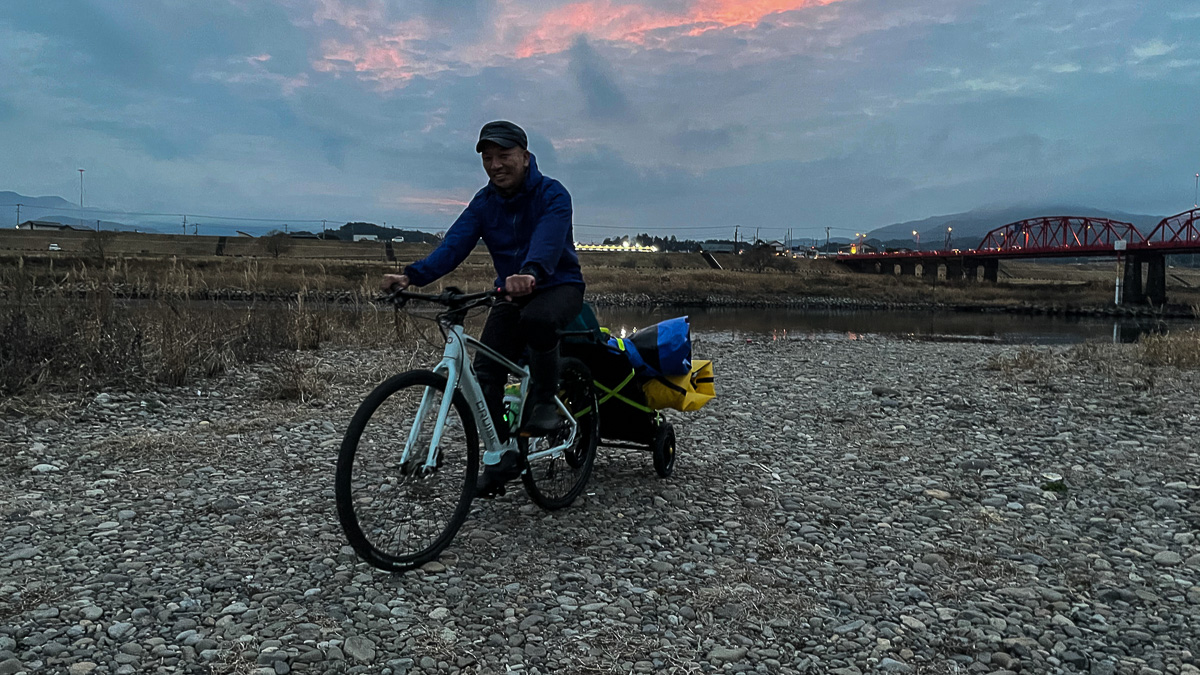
457 368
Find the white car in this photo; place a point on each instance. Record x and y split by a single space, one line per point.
55 247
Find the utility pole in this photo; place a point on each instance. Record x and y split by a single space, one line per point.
323 228
185 225
827 239
81 198
18 215
736 241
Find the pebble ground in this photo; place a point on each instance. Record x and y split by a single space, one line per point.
845 506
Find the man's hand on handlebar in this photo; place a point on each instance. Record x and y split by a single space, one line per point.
394 282
518 285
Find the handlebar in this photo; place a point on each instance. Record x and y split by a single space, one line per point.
452 298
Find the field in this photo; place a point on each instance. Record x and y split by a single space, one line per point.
141 264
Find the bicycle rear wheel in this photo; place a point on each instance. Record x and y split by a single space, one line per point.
555 480
397 515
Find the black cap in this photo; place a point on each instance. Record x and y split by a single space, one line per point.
504 134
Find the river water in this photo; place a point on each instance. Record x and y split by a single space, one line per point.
967 326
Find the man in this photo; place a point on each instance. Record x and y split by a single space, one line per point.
524 219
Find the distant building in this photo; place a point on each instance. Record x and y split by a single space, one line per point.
624 248
44 225
365 237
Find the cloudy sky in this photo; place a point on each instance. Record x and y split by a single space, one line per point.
683 117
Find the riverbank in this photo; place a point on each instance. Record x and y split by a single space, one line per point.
843 506
613 279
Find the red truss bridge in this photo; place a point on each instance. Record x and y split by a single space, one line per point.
1053 237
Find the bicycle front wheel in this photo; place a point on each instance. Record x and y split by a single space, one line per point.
401 511
554 480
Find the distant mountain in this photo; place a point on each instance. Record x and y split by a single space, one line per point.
970 227
12 199
106 225
58 210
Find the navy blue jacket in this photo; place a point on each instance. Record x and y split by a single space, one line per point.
529 233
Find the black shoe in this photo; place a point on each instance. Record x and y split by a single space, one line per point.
541 416
493 477
543 419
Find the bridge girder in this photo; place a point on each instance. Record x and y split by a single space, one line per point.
1059 233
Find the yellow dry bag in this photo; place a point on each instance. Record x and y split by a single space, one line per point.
682 392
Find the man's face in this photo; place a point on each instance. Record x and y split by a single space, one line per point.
505 166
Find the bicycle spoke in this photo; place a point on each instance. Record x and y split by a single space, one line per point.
555 479
399 514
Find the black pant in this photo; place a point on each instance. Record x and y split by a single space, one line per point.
533 321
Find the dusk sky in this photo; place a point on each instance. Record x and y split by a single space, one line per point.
682 117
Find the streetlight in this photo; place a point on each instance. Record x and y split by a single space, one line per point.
1196 194
918 236
81 201
948 238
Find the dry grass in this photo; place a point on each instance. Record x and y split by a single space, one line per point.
90 333
1178 349
1026 359
94 316
295 379
664 276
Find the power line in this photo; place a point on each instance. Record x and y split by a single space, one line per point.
170 215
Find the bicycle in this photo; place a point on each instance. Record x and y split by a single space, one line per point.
399 505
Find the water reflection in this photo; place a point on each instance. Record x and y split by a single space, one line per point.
975 326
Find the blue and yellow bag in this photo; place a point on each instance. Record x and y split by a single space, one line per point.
662 349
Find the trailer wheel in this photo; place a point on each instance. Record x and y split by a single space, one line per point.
663 450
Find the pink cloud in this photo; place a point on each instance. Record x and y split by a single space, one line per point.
382 60
433 204
385 53
606 20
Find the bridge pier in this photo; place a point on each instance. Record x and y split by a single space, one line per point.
991 270
954 270
1154 290
1131 285
1156 279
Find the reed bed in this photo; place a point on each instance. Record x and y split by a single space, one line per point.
84 320
87 330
